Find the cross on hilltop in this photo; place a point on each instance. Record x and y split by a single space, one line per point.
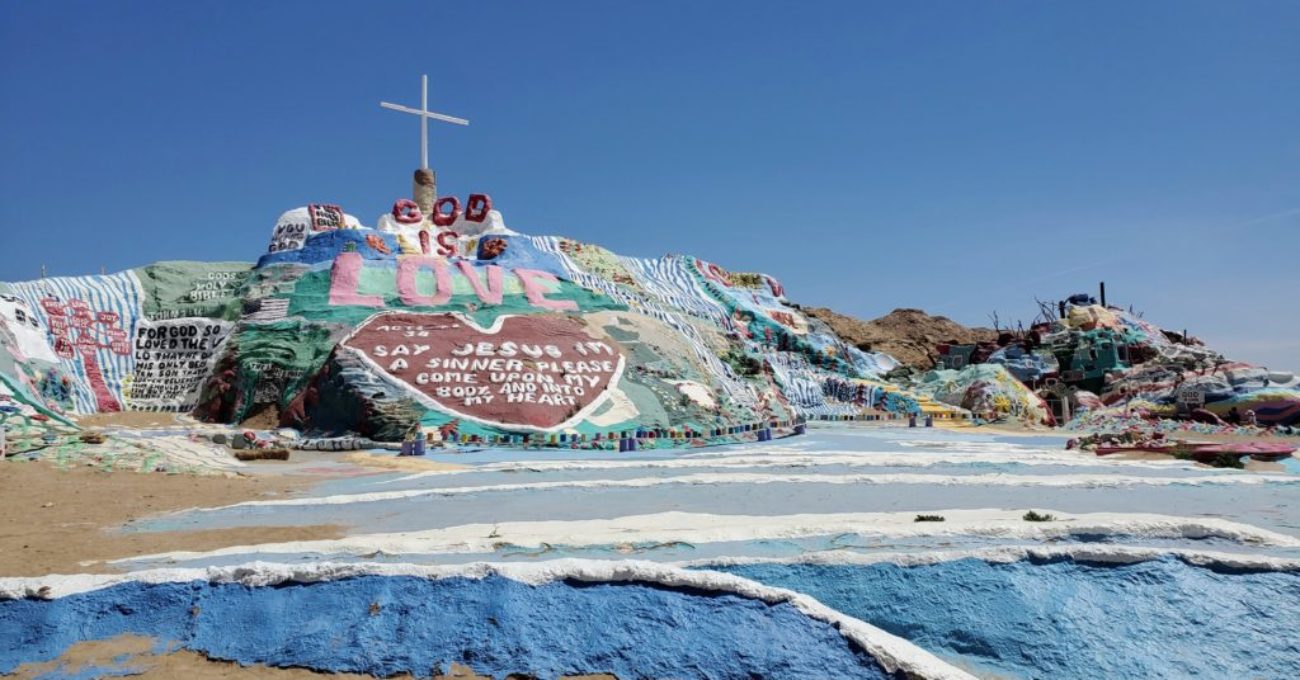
425 114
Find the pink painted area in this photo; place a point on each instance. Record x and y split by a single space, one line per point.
77 332
536 292
495 290
408 266
105 402
713 272
345 277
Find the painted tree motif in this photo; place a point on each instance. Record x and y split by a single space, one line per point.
79 332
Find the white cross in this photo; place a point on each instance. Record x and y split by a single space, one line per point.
425 114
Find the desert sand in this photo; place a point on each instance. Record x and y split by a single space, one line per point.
137 652
67 521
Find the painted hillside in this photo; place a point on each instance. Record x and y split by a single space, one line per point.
450 325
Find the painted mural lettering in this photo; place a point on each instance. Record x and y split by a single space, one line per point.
447 243
216 286
172 358
538 372
325 217
445 217
288 235
477 207
273 380
407 211
489 288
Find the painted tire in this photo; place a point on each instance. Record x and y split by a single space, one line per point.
477 207
446 219
407 212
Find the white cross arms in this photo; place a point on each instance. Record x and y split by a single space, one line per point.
425 114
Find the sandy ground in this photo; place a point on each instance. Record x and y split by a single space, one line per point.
133 651
128 419
54 520
1007 429
404 463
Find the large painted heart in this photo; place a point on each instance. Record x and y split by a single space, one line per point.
540 372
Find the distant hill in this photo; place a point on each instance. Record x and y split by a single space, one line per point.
908 335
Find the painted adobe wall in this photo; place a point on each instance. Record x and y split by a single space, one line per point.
143 339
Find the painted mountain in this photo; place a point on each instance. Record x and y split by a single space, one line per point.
449 324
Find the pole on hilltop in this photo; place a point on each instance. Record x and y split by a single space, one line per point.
424 188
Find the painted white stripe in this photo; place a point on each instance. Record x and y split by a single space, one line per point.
805 459
713 479
1106 554
704 528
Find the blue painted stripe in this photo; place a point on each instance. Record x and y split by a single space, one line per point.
402 624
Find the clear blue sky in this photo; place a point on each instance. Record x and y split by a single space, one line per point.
961 157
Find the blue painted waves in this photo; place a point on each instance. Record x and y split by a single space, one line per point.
386 625
1062 618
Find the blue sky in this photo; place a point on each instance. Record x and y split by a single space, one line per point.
961 157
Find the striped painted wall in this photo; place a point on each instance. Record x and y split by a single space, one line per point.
105 369
667 282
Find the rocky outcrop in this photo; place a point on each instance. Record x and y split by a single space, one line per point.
908 335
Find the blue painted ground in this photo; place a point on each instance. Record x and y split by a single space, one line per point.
1270 506
1029 619
496 626
1064 619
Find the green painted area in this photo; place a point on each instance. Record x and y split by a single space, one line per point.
19 392
651 403
178 289
1087 362
276 360
310 297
